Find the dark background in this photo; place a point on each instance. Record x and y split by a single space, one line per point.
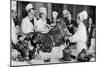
73 8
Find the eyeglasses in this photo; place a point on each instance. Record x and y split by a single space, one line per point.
31 9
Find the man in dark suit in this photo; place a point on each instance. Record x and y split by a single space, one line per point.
70 23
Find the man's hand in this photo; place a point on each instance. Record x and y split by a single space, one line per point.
70 38
66 37
53 24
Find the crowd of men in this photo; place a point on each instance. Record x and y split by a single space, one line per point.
76 28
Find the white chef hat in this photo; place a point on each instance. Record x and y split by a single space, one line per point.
43 10
13 4
29 6
83 15
65 11
55 13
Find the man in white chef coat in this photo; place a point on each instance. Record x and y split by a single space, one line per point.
41 25
27 24
80 36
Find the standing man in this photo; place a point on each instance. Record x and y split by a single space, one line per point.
91 37
13 16
90 31
27 24
14 52
80 36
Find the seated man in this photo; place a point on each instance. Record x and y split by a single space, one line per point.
41 25
54 18
27 24
70 23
